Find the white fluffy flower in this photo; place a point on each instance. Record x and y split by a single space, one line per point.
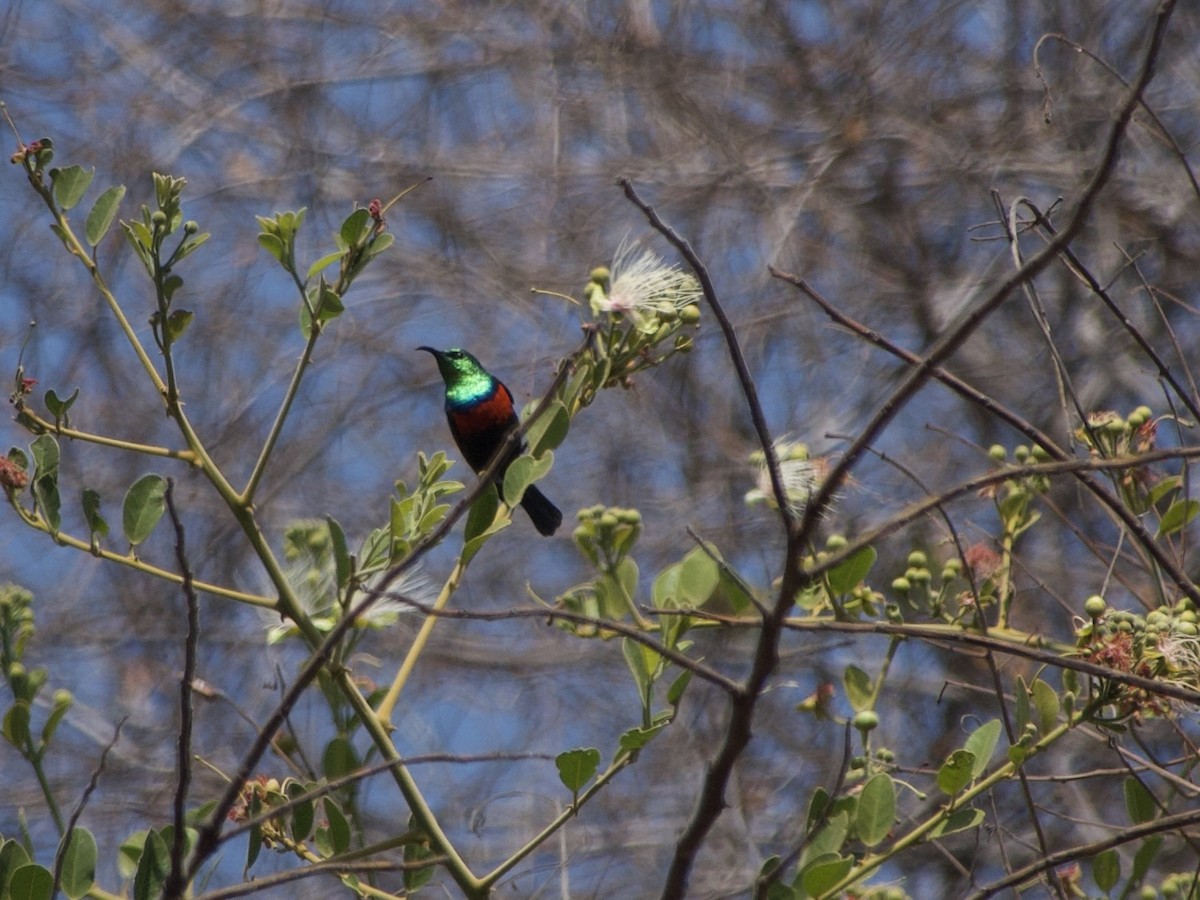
642 287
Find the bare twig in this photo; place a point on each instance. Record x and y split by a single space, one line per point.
93 781
176 885
710 802
1126 835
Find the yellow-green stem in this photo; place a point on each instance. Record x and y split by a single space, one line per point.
26 416
37 522
388 705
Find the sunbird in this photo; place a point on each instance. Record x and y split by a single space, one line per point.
479 409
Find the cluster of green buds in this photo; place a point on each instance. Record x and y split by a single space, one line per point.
918 586
639 306
1163 644
16 629
1107 435
605 535
881 759
1024 456
1176 885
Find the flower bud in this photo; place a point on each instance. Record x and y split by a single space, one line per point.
866 720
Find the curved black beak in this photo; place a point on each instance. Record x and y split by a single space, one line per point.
437 354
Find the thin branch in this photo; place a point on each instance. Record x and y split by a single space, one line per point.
745 379
710 802
1126 835
93 781
706 673
329 868
176 885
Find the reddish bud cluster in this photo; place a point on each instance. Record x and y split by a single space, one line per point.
375 208
982 560
12 476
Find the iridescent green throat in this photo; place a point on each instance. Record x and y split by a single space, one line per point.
467 382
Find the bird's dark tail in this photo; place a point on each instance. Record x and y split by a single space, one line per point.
545 515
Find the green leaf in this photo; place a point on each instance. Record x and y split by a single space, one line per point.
321 264
417 877
45 457
1139 802
1045 701
45 480
104 212
91 513
177 323
153 868
57 712
982 743
858 688
825 873
849 573
303 813
699 575
522 472
79 864
30 882
876 810
960 820
129 853
1106 869
955 773
70 184
171 284
325 302
341 553
678 686
253 847
638 665
577 767
549 430
380 243
355 228
829 839
637 738
339 828
664 593
145 503
482 513
12 857
1021 695
273 245
1177 516
58 407
339 759
15 727
191 245
1144 858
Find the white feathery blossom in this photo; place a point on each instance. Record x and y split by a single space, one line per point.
801 474
642 287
